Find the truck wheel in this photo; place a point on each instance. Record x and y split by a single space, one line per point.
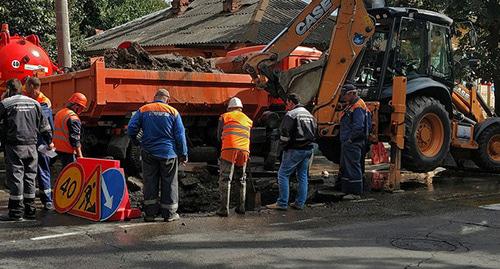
487 156
427 134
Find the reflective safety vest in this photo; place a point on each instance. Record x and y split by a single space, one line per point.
61 131
236 131
42 99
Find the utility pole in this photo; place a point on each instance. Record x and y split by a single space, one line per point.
62 34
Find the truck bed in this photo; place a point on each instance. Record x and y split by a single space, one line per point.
117 92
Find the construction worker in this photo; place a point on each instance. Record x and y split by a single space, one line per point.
297 133
43 177
354 130
22 122
163 144
234 133
67 129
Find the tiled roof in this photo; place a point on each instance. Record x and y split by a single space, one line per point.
204 23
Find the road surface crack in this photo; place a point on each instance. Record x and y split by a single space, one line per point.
436 228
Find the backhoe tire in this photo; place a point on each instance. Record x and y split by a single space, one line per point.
427 134
487 156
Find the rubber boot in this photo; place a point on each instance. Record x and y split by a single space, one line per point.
243 192
224 192
29 208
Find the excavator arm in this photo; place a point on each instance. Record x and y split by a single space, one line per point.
320 80
292 36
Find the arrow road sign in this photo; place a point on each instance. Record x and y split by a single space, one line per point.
108 200
112 192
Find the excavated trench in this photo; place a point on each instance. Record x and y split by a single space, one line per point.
198 190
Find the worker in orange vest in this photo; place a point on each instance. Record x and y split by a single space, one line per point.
67 129
234 133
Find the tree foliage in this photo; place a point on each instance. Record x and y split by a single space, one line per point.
27 17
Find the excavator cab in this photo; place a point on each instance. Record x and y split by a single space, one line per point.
410 42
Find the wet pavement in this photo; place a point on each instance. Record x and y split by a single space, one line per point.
438 223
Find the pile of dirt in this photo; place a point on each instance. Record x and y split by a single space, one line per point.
198 191
136 57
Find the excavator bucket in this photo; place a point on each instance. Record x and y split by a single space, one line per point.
303 80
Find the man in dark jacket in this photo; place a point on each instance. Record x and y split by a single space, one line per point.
22 123
33 91
297 133
353 138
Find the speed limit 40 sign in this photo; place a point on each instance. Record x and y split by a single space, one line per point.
68 187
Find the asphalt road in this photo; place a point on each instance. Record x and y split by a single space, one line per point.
440 227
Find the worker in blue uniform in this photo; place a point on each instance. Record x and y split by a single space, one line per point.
163 144
355 125
33 90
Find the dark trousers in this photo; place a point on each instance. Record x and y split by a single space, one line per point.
66 158
44 178
351 159
160 172
21 168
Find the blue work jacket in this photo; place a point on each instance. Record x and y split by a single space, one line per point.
353 124
163 131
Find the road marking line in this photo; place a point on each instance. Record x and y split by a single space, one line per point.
491 207
363 200
54 236
137 224
295 222
307 220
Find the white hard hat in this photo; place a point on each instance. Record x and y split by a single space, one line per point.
235 102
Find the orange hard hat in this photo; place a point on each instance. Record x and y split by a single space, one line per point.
79 99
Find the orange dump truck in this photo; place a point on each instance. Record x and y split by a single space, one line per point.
114 94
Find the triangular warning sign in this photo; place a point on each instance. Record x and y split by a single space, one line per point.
89 204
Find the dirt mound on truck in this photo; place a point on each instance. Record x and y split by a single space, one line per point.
135 57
